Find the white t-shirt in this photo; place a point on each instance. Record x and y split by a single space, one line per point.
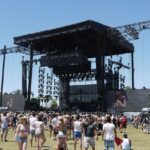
4 122
39 127
109 131
32 121
77 126
54 122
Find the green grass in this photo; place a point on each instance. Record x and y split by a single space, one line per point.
140 141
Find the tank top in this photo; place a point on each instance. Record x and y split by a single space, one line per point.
77 126
23 131
4 123
126 144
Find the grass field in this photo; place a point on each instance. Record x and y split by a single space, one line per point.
140 141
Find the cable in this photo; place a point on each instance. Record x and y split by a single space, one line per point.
143 62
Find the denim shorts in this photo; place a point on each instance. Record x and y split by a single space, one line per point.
32 132
78 135
109 144
21 139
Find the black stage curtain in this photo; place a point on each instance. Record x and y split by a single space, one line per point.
24 79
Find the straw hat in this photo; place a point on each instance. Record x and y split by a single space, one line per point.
19 115
24 117
67 116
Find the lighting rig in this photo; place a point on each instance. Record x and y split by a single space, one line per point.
65 67
72 66
114 80
122 82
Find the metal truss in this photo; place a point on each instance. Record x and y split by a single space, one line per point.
17 49
131 31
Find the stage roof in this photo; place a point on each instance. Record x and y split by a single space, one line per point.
89 36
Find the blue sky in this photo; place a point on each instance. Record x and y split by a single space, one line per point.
18 17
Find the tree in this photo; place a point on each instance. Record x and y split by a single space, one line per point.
18 91
5 93
54 104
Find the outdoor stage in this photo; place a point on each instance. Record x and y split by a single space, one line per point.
68 50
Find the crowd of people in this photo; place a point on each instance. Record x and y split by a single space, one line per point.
83 128
142 121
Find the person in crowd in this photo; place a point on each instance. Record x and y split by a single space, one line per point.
77 126
68 123
50 125
14 122
145 125
4 126
114 120
32 121
118 121
62 134
99 126
45 117
54 123
126 142
21 134
10 116
136 122
108 134
39 132
89 132
124 123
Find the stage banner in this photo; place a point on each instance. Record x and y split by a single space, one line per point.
14 102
